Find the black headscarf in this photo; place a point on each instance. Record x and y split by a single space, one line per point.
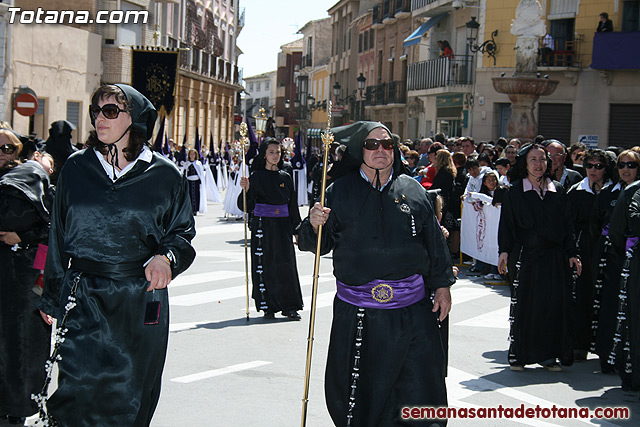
143 118
59 145
260 161
353 136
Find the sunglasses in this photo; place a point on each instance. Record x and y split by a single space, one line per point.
594 165
630 165
110 111
373 144
8 148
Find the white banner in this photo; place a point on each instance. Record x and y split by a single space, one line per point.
479 228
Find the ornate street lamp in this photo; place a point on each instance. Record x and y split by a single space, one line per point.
489 46
361 80
287 104
336 89
261 122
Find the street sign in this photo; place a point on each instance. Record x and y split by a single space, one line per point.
25 104
591 141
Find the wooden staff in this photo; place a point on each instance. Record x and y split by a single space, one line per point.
327 139
243 142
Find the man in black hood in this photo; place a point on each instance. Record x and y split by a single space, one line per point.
389 256
59 145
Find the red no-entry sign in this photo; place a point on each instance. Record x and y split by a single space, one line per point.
26 104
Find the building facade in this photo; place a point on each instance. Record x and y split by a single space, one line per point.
289 59
259 91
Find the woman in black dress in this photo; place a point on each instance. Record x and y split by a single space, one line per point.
272 200
121 229
608 265
582 197
536 241
25 206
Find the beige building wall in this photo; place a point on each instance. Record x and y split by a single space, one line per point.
589 91
60 63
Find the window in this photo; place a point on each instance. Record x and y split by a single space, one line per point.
630 15
73 112
109 32
359 43
258 87
266 85
366 40
250 87
371 39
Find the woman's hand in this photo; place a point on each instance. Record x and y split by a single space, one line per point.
158 273
244 183
502 263
575 262
47 319
10 238
318 216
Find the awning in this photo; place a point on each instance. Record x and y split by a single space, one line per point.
414 38
314 133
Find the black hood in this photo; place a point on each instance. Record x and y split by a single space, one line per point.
353 136
143 113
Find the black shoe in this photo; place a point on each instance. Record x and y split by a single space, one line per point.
292 315
269 315
16 420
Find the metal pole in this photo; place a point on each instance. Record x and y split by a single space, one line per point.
327 139
243 143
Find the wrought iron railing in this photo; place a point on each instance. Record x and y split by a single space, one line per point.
440 72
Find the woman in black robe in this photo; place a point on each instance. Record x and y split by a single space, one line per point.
536 241
386 349
121 229
273 205
608 265
581 197
25 204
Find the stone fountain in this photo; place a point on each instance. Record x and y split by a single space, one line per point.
524 88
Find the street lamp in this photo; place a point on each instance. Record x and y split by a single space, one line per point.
489 46
287 104
336 89
261 122
361 81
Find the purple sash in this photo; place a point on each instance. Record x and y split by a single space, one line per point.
271 211
605 230
630 242
387 294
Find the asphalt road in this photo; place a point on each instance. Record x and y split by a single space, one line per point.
223 370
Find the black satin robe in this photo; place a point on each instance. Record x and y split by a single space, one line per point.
402 358
539 233
624 224
25 203
112 363
581 204
607 296
273 258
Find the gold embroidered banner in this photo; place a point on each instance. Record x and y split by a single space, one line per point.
153 73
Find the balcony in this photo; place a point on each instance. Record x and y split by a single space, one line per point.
197 61
616 51
388 12
377 17
440 73
386 94
403 9
305 61
418 4
565 52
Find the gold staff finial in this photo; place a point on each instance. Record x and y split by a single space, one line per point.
327 137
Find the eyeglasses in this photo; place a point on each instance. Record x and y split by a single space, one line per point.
594 165
630 165
8 148
110 111
373 144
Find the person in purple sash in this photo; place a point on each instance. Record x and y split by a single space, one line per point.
389 258
273 208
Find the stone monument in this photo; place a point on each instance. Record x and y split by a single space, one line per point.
524 88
